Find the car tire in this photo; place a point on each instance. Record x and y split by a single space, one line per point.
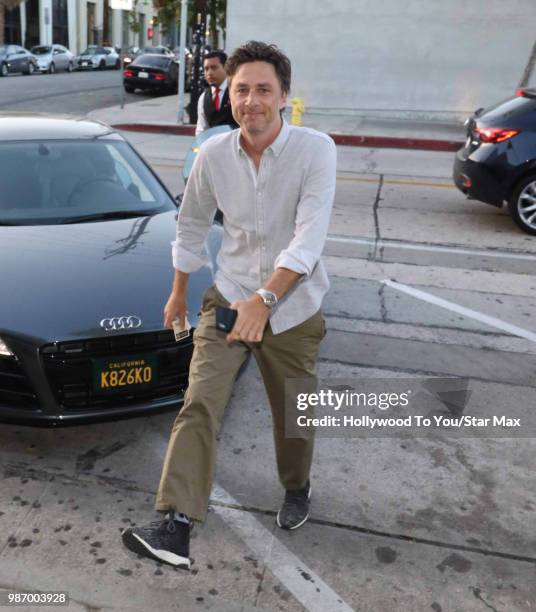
523 197
4 70
130 89
30 69
70 67
51 68
102 65
118 64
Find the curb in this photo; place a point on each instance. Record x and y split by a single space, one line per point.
348 140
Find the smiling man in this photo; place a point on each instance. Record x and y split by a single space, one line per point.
275 185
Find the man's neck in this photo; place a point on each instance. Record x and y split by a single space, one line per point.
255 145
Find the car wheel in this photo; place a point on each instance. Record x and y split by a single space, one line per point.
30 68
129 89
4 70
118 64
70 67
51 68
102 65
522 204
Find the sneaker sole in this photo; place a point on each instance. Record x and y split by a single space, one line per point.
138 546
300 523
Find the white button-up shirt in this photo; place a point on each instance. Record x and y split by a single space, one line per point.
277 217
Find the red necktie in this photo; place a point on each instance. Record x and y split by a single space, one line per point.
217 99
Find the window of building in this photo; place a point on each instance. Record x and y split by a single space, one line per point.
12 31
60 23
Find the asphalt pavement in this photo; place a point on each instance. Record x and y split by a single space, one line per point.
433 522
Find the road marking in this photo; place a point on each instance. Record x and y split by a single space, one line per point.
409 182
306 586
466 312
424 247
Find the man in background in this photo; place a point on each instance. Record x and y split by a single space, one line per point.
214 106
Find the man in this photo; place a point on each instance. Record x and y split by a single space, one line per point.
275 186
214 107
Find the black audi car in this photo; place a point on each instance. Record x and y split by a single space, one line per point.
85 270
151 72
498 162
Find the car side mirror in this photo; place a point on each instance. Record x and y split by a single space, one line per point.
178 200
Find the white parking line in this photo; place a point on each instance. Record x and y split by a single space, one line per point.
306 586
431 248
466 312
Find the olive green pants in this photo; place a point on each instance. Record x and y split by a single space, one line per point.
188 468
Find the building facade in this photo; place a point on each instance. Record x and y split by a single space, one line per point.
76 24
426 59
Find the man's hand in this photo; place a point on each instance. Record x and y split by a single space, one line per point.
175 308
251 320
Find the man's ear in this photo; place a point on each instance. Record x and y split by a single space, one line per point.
283 104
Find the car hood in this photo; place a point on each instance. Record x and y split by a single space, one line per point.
58 282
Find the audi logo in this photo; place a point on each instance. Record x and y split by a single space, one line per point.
115 323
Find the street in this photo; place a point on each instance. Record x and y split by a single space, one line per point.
423 283
76 93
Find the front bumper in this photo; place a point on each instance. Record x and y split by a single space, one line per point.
53 385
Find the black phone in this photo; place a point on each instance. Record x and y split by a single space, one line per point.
225 318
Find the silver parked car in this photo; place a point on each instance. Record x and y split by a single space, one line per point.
96 57
53 57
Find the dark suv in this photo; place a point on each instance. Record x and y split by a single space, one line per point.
498 162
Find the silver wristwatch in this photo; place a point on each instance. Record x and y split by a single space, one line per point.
268 297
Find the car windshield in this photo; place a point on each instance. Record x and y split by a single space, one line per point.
92 51
41 50
3 49
160 61
65 181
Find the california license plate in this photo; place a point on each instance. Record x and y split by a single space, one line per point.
126 374
143 75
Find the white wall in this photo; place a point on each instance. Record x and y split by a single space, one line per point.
418 58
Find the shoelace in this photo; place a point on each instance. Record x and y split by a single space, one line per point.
295 497
169 525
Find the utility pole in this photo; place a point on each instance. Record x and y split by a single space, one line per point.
199 37
182 59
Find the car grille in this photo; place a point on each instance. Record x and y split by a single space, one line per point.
69 369
15 389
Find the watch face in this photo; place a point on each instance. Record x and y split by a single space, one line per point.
270 299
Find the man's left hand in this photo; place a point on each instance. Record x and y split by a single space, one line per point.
251 320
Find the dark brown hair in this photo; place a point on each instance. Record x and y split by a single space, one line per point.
255 51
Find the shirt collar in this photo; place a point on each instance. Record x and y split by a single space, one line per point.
223 87
277 145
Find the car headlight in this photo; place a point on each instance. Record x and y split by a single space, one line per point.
4 350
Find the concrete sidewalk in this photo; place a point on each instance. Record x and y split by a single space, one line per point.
159 115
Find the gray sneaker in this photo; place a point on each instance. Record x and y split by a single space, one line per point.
295 509
167 541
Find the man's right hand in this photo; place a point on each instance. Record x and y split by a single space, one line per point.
175 308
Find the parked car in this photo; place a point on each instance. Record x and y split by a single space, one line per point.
53 57
81 315
130 54
16 59
158 50
157 73
95 57
497 164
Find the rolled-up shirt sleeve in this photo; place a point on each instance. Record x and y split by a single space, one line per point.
195 217
313 212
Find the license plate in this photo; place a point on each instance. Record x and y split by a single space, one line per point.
124 374
143 75
84 63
